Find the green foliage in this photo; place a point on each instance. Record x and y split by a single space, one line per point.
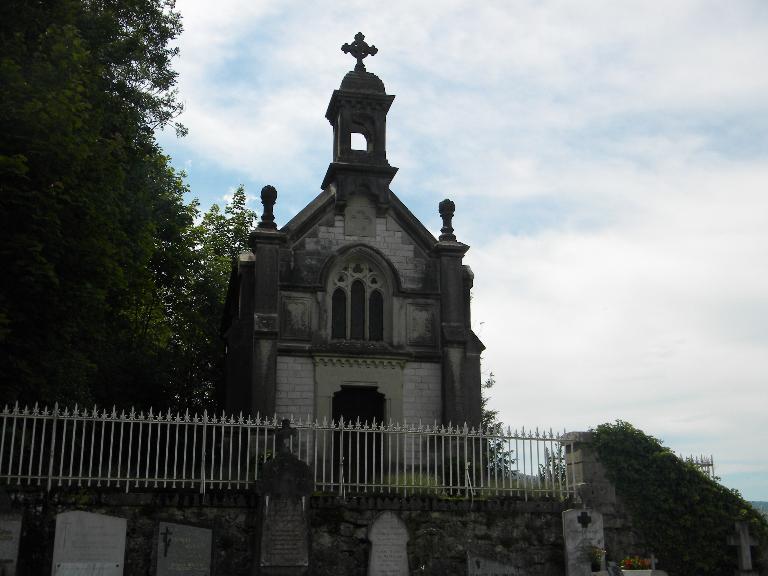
111 291
83 188
684 517
489 418
499 456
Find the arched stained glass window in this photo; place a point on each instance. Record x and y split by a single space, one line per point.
376 316
357 311
359 292
339 314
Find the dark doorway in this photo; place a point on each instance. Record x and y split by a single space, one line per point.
360 446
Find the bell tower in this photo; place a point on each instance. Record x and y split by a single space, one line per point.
358 112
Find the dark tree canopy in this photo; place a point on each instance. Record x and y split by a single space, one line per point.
109 292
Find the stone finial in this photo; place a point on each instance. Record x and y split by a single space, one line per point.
447 209
268 198
359 49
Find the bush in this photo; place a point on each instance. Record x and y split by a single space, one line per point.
684 517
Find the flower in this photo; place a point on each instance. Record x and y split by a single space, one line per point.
635 563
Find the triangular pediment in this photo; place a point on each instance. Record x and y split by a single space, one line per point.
323 207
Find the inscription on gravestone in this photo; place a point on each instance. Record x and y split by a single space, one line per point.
287 483
183 550
10 532
284 535
88 544
389 546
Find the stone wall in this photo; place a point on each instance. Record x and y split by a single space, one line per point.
390 239
526 535
422 392
295 383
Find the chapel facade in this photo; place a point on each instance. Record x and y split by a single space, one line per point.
353 308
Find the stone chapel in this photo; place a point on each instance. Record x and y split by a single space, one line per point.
353 308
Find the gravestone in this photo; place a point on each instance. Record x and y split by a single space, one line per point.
183 550
582 530
388 536
10 534
88 544
744 541
477 566
286 484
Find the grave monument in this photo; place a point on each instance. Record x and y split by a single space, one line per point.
87 543
10 535
388 536
183 550
286 486
582 530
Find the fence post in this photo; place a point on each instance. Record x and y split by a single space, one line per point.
53 444
203 452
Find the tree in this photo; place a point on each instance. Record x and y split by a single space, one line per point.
500 455
488 418
84 191
195 308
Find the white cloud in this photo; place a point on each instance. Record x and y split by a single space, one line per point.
634 131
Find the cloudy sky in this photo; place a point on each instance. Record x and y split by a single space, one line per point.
609 165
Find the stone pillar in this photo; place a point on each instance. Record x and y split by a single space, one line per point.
252 319
266 246
587 474
595 492
458 403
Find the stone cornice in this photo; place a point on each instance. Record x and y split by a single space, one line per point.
354 362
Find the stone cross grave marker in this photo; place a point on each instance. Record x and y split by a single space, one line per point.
744 541
10 534
183 550
388 536
582 530
287 483
88 544
477 566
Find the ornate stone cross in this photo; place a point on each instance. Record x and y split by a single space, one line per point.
284 436
744 541
584 519
359 49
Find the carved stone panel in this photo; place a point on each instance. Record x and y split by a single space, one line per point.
421 324
295 317
360 217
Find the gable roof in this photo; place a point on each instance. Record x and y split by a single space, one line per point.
313 212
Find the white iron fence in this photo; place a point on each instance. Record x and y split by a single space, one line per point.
52 448
704 463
